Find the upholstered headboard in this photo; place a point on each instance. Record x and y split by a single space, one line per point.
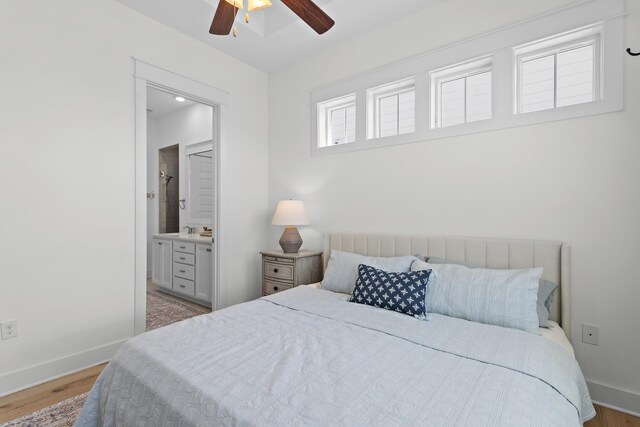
554 257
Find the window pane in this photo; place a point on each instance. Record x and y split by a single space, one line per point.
537 86
452 102
575 76
343 125
351 124
407 112
388 116
479 97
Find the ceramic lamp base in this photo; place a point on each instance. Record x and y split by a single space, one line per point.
290 241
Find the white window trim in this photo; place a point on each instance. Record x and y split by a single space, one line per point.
374 95
451 73
498 43
324 110
570 41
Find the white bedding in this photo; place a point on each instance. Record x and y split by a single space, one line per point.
308 357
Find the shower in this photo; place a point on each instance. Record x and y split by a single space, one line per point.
169 191
167 178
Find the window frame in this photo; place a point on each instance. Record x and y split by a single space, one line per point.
572 40
454 72
376 94
325 109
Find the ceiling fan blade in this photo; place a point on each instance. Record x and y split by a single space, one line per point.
223 19
310 13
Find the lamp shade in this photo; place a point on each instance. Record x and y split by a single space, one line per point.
258 4
238 4
290 212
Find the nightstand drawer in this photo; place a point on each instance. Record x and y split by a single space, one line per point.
184 258
269 287
278 271
184 271
189 248
183 286
276 259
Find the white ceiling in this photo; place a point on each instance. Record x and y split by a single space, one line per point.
275 36
160 103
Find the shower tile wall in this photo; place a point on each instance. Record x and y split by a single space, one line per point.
169 193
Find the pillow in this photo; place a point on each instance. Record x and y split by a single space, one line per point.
546 291
496 297
401 292
342 269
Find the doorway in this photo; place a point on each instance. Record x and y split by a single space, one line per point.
180 218
157 177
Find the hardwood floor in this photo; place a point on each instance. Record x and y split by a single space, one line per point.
32 399
606 417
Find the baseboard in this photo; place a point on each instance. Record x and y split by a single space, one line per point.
21 379
615 398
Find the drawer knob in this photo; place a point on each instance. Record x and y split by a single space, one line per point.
275 288
275 270
182 258
182 286
182 271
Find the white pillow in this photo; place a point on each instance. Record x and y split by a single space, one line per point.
496 297
342 270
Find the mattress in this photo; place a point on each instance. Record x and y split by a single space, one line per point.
308 357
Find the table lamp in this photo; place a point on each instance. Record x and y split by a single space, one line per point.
290 213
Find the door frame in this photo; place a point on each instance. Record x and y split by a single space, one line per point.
147 75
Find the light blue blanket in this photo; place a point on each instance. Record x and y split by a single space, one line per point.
308 357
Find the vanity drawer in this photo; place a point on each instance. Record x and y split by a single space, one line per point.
278 271
184 271
184 286
184 258
269 287
189 248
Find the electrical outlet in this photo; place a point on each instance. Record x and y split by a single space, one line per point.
590 334
9 329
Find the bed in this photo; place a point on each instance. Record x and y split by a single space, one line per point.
309 357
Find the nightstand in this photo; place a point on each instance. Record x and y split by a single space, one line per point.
282 271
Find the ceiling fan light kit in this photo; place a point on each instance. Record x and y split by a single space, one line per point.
306 10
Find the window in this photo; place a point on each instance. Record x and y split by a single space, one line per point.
558 72
553 67
462 93
337 121
391 109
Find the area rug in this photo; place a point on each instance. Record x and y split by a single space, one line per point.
161 311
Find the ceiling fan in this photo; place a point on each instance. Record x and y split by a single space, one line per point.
307 10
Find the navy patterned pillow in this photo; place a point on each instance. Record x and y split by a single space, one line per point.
401 292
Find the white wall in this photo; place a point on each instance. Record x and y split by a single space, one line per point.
67 144
573 180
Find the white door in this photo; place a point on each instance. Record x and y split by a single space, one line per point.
201 182
204 272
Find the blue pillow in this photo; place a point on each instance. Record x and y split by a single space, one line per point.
401 292
546 291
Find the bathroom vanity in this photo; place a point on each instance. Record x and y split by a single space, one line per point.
182 266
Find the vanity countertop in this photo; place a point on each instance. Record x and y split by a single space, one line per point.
196 238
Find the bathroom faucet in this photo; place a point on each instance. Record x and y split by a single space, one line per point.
191 230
